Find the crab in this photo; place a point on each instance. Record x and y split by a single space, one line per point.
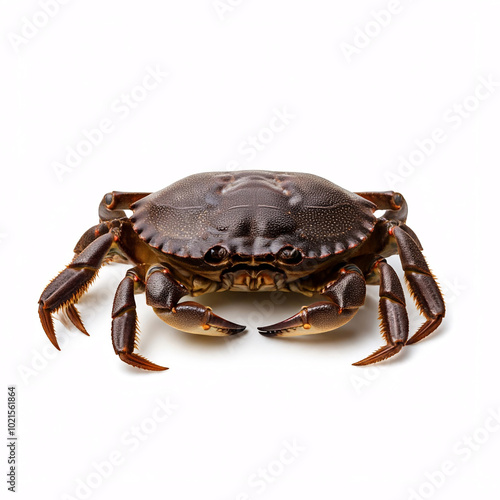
250 231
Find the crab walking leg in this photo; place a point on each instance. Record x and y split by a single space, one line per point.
124 327
345 294
67 287
423 286
113 204
90 235
392 312
395 206
69 309
71 312
163 293
391 201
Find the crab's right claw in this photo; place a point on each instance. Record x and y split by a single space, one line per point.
163 293
192 317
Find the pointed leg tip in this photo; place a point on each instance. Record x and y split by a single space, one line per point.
48 325
53 339
82 329
140 362
55 344
74 316
159 368
381 354
359 363
426 329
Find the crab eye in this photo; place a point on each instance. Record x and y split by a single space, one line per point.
216 255
290 255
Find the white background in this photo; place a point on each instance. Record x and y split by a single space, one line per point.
359 104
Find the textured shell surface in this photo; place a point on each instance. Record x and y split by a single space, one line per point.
253 213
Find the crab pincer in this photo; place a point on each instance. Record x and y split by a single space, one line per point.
345 294
163 293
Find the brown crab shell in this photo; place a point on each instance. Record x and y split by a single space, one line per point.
253 213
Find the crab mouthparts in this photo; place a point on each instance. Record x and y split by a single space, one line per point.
252 278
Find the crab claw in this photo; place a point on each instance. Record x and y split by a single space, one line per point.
345 294
317 318
295 325
192 317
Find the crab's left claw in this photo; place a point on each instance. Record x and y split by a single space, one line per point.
346 293
317 318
